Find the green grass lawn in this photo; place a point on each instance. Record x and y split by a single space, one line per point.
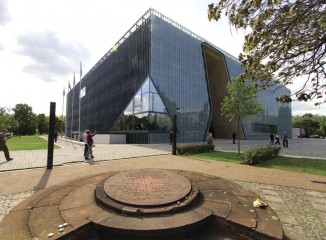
303 165
27 143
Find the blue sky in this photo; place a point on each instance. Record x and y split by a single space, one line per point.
43 41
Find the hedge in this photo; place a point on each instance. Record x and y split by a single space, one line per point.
194 148
257 155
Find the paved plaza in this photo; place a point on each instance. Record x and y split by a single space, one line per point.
298 199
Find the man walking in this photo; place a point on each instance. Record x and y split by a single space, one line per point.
85 134
285 140
3 145
90 142
277 137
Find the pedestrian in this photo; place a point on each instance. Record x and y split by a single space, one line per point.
3 144
234 136
272 139
209 138
90 143
285 140
277 138
55 135
85 141
171 137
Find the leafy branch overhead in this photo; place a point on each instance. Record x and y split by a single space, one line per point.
240 101
286 44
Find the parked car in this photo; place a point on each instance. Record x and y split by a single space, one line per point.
314 136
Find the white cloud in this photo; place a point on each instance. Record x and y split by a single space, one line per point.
51 58
4 13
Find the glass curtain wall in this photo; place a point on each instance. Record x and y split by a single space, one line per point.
112 82
177 70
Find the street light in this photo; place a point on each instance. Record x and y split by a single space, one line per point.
174 134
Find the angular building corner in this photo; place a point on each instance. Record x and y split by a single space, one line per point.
159 69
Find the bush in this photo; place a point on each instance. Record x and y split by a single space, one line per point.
194 148
258 155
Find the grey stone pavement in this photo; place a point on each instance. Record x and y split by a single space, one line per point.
302 211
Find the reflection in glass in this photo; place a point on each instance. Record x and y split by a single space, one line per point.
129 122
145 87
141 122
146 111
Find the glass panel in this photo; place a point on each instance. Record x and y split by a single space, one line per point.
137 99
141 122
145 102
163 122
152 87
137 109
129 109
152 121
145 87
158 104
129 122
120 126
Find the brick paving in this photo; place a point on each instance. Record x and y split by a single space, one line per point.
301 209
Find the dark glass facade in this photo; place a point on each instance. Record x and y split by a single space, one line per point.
159 69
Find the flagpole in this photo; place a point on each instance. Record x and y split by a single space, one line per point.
66 126
72 106
63 104
80 78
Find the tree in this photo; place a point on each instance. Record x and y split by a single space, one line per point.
286 43
240 102
7 120
26 119
309 125
59 124
308 122
322 124
42 124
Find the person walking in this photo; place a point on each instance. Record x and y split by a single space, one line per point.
272 139
234 136
85 134
209 138
90 143
277 138
285 140
3 144
55 135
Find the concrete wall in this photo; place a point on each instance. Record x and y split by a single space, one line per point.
110 139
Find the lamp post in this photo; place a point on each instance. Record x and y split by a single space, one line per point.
174 134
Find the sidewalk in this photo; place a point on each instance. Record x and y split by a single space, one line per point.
298 199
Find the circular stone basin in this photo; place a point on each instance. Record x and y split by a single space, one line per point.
147 187
213 206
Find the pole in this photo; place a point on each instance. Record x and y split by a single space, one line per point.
72 107
174 143
63 104
80 77
238 109
51 136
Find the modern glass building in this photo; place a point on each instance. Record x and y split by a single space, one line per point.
159 69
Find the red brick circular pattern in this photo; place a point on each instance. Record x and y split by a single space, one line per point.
147 187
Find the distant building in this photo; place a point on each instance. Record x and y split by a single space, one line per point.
159 69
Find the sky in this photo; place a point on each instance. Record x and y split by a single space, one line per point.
42 43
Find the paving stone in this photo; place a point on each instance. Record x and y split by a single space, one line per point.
274 198
279 207
270 192
288 218
315 193
295 233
